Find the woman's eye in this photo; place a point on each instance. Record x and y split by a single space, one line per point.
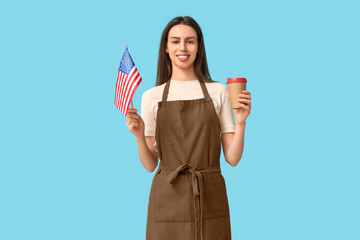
178 42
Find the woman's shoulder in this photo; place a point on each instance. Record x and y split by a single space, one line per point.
217 87
218 92
154 92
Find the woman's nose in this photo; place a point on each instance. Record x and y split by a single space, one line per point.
182 46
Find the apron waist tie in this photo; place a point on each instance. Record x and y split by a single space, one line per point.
197 185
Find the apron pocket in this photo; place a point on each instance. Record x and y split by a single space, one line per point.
173 202
215 202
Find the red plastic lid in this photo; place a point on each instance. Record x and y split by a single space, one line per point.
232 80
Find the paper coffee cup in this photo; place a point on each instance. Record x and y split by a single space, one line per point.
236 86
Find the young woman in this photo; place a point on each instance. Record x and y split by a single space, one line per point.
185 119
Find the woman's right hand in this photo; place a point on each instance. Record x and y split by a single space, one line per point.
135 123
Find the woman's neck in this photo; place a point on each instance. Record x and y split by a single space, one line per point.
183 74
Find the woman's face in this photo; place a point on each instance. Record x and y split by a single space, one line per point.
182 46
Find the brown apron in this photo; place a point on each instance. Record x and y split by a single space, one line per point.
188 198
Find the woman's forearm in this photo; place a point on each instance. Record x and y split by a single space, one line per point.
147 158
236 147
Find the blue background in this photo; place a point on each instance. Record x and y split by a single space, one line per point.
69 166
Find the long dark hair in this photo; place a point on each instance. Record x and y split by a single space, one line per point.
164 69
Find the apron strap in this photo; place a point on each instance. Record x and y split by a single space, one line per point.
205 91
166 90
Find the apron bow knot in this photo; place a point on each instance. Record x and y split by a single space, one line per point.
197 190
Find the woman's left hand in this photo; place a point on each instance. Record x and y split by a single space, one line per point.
243 112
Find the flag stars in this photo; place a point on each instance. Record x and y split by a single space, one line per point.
126 63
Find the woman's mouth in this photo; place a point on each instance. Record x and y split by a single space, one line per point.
183 57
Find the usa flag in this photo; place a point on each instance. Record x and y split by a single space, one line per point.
127 82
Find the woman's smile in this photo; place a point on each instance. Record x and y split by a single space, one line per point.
183 57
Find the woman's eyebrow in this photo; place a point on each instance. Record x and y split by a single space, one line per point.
185 38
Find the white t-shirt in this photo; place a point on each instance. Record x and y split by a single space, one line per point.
186 90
